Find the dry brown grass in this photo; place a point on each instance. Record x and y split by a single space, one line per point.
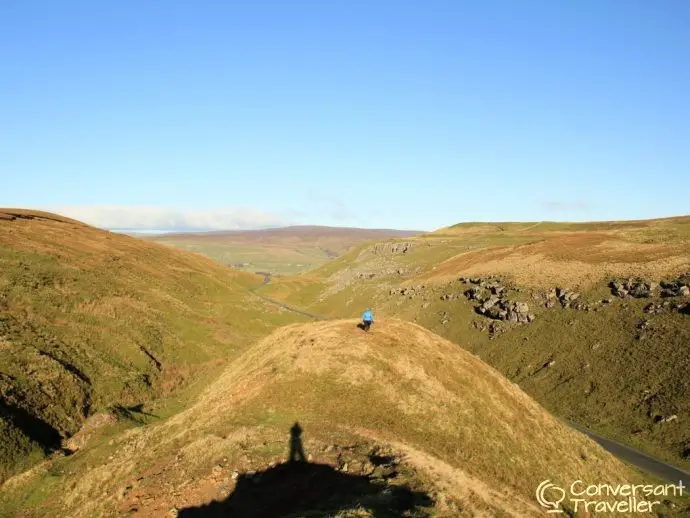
569 259
481 440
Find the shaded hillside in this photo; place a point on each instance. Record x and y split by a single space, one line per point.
397 419
91 320
615 360
285 250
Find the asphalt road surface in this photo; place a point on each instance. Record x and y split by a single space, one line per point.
636 458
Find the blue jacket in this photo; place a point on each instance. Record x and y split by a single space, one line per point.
368 316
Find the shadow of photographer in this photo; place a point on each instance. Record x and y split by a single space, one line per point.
302 488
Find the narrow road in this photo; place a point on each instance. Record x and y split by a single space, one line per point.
637 458
624 453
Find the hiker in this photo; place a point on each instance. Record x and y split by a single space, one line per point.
367 319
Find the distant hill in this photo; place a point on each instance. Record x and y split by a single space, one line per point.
286 250
305 232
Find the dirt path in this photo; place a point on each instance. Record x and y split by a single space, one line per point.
624 453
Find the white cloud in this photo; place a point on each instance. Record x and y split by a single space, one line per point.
162 218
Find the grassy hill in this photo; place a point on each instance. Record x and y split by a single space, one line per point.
91 321
281 251
399 420
609 365
140 379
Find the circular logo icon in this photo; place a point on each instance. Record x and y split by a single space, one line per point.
547 500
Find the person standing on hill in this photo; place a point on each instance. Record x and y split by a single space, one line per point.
367 319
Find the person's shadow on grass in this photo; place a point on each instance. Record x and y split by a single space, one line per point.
302 488
296 447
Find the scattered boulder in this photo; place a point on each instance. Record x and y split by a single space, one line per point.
391 248
639 288
566 297
475 293
657 308
487 305
495 329
662 419
491 295
506 310
478 325
408 291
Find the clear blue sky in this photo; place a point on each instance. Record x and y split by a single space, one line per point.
408 114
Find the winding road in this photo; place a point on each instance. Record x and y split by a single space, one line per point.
637 458
624 453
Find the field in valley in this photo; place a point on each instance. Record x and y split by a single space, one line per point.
282 251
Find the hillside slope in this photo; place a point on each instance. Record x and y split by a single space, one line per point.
611 359
396 419
91 320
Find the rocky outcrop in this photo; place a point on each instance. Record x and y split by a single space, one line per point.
565 297
491 296
408 291
657 308
633 288
506 310
641 288
391 248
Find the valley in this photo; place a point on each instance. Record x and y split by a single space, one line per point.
542 304
139 379
278 251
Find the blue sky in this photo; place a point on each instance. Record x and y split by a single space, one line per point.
376 113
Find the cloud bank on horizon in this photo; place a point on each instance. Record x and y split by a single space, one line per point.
329 211
168 218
